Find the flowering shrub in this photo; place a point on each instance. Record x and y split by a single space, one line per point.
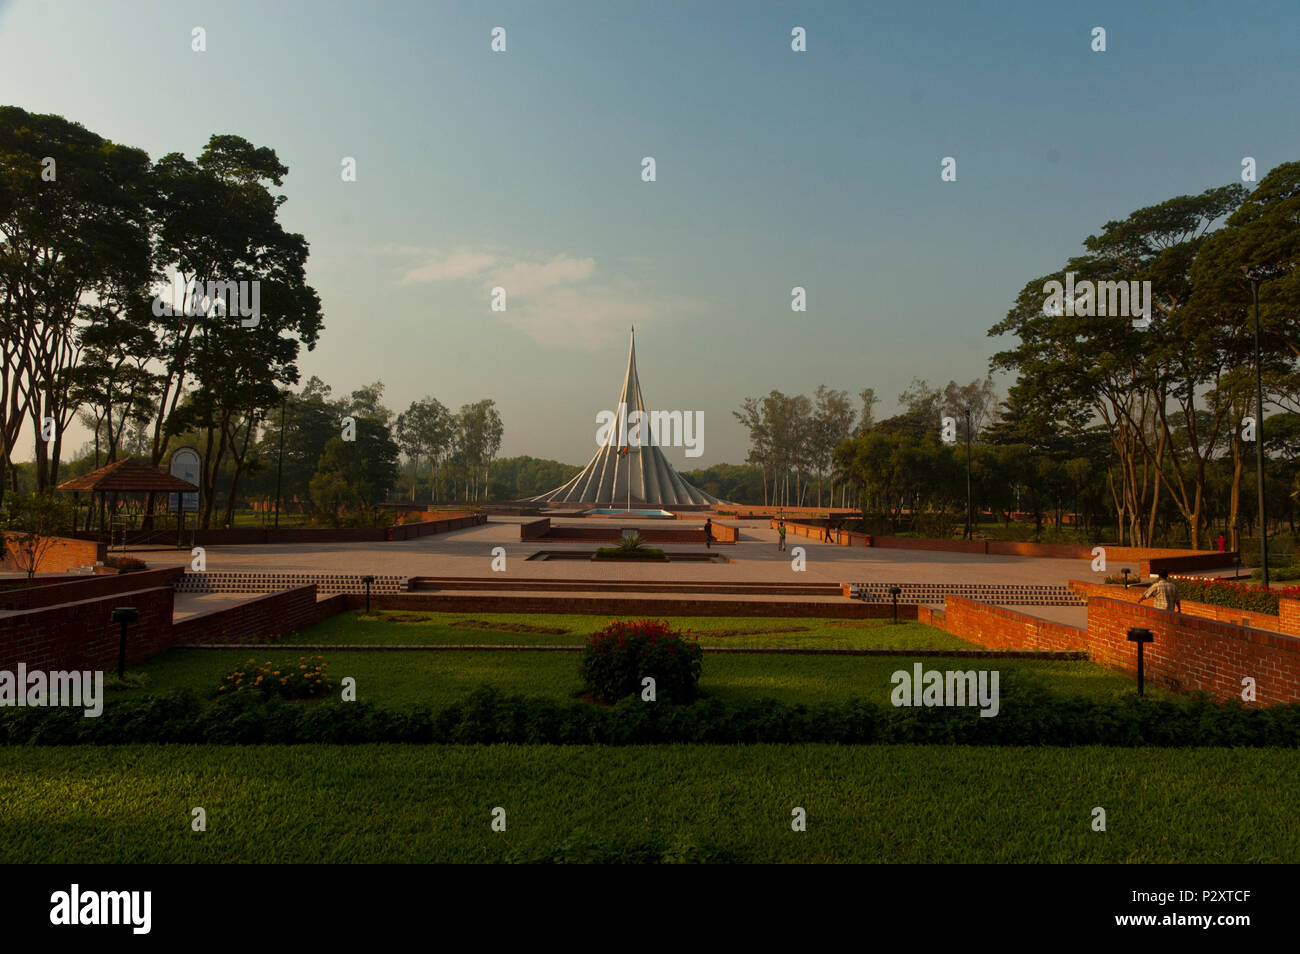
1199 589
304 679
617 657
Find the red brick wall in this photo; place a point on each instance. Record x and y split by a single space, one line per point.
919 543
998 628
535 529
408 531
243 536
1185 563
1190 654
1289 616
542 530
82 635
272 615
65 554
1174 560
1290 625
75 589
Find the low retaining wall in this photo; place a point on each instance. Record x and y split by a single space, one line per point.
275 614
1287 621
623 606
66 553
998 628
82 635
1186 562
245 536
1189 654
76 589
541 529
1150 559
409 531
535 529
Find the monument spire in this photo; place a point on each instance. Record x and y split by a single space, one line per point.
646 477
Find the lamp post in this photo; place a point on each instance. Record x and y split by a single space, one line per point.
368 579
969 533
1256 274
123 615
279 467
894 591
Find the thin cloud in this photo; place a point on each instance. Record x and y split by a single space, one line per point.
525 278
459 265
554 301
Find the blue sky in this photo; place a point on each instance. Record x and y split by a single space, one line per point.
775 169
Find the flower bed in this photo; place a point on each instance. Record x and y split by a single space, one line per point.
1243 596
305 679
618 657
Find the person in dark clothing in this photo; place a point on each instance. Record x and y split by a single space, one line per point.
708 533
826 533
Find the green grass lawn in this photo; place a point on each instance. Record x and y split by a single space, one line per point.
429 629
731 803
436 679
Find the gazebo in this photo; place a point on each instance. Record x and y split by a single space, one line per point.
123 476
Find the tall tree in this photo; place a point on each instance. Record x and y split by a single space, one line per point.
73 244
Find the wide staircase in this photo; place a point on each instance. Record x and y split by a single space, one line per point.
327 584
932 594
445 584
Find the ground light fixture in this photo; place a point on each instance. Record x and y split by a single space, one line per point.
123 616
1125 572
368 579
894 591
1140 636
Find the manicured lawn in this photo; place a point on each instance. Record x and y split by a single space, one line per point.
436 679
502 629
864 804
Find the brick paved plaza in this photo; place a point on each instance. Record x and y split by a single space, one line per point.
468 553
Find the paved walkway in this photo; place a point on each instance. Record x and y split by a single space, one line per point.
469 552
190 604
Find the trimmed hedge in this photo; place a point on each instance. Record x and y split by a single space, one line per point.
487 716
1242 596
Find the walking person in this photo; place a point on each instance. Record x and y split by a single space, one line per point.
826 534
1163 594
708 533
780 534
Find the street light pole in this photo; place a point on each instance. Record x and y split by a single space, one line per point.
1255 274
279 467
969 534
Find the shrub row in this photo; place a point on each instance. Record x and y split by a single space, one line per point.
487 716
1233 595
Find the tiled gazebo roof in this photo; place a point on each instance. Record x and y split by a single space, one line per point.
126 475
